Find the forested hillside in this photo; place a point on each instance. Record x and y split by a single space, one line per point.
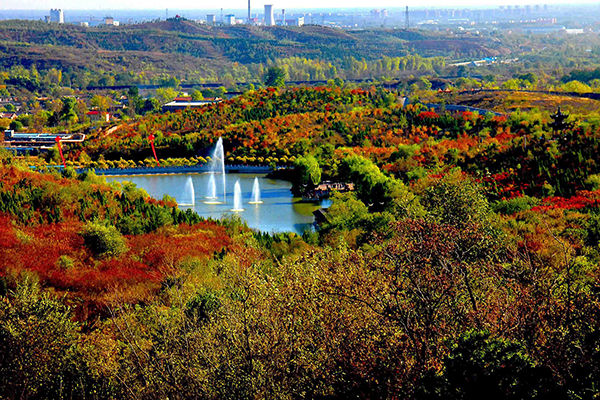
464 262
121 55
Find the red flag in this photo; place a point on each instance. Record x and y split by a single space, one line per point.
151 138
57 139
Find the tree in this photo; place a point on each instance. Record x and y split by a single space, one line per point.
275 77
576 86
165 95
151 105
307 171
37 344
197 95
135 101
68 114
480 365
16 126
102 103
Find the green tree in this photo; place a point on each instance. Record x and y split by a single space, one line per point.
16 126
150 106
481 366
275 77
68 113
307 171
165 95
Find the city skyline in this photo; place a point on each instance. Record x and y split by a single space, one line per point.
115 5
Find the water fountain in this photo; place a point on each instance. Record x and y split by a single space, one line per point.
217 164
212 191
255 193
189 194
237 197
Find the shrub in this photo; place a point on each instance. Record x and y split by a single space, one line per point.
515 205
104 241
65 262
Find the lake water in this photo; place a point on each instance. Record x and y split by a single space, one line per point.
279 212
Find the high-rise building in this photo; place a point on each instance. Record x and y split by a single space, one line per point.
269 18
249 15
211 19
57 15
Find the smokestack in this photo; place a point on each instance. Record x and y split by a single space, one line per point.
283 17
249 16
406 22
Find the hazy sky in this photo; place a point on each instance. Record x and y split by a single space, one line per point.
256 4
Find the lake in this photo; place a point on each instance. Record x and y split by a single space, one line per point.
279 212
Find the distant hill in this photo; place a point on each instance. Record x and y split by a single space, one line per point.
145 52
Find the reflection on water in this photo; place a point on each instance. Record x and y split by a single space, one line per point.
279 212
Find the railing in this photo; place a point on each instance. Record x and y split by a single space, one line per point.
186 169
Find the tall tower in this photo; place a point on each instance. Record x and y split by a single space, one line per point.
283 17
249 16
269 19
406 20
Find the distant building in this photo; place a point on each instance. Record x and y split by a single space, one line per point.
86 24
229 19
8 115
181 103
39 141
269 18
211 19
57 15
97 116
295 22
574 31
110 21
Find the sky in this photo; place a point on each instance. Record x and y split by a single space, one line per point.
258 5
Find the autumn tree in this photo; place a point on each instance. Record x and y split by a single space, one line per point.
38 343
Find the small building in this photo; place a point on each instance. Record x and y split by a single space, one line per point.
181 103
8 115
295 22
39 141
110 21
96 116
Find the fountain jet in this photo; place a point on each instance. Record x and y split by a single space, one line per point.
237 197
217 164
212 191
255 193
189 193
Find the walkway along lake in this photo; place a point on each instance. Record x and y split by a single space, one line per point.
279 211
